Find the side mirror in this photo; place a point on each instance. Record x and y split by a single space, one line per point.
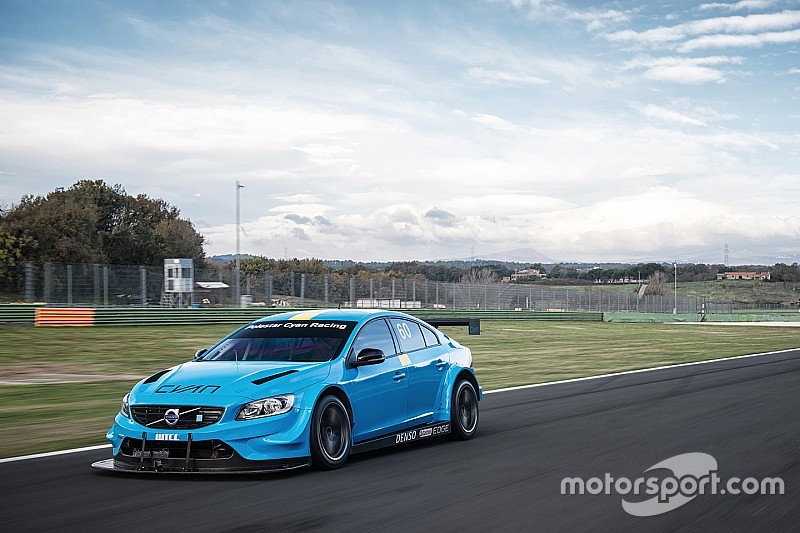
369 356
198 353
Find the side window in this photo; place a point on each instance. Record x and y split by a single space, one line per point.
430 337
375 334
409 334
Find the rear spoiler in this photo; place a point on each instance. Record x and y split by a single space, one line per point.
474 324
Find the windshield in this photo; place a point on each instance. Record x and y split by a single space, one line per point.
302 341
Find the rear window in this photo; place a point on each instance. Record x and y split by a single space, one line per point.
409 334
302 341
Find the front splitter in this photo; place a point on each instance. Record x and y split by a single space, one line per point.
109 465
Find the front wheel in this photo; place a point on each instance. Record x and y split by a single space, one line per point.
331 436
463 411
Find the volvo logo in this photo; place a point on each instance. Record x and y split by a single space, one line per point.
172 416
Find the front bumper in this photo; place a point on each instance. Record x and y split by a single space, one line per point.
260 445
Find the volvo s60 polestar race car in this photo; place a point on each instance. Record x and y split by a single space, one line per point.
297 389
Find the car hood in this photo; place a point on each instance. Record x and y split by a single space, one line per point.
225 382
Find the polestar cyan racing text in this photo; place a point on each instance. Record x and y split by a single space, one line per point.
295 389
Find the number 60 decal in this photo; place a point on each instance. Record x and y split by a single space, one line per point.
403 330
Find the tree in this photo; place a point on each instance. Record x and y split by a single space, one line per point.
657 283
479 275
784 272
93 222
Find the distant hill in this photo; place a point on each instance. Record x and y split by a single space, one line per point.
519 255
227 258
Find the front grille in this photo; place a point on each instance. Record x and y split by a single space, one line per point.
201 449
191 416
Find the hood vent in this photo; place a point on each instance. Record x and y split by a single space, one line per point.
155 377
261 381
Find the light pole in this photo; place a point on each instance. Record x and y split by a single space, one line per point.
675 300
237 283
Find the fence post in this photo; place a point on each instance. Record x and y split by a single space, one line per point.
352 292
248 283
105 285
437 294
371 291
325 280
291 283
48 282
268 287
96 279
29 296
302 289
143 283
69 285
393 292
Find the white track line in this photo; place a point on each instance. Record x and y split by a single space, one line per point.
50 454
101 446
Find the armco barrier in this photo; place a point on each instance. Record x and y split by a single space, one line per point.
64 316
183 317
23 314
175 317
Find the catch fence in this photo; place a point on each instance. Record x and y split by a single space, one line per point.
99 286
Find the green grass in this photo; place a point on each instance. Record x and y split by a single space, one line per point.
740 291
44 417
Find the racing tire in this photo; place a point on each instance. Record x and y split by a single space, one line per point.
464 413
331 434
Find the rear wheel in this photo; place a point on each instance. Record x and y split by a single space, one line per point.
463 411
331 436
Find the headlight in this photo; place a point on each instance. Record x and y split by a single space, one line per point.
276 405
125 408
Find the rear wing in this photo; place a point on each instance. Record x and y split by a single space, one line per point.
474 324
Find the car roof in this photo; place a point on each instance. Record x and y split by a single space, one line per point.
354 315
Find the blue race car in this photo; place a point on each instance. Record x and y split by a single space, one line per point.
295 389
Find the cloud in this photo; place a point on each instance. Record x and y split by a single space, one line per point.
556 11
734 41
750 5
690 71
687 74
668 115
297 218
749 24
504 78
441 217
297 198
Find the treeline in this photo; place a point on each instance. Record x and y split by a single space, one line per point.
93 222
488 273
401 269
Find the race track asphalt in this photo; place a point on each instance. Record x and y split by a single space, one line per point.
743 412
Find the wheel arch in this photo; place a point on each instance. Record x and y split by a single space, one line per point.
342 395
457 373
469 375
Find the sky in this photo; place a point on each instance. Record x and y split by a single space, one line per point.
625 131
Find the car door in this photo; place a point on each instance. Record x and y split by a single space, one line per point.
427 363
378 393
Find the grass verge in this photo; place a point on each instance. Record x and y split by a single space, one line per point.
44 417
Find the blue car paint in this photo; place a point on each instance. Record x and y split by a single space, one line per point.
407 390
